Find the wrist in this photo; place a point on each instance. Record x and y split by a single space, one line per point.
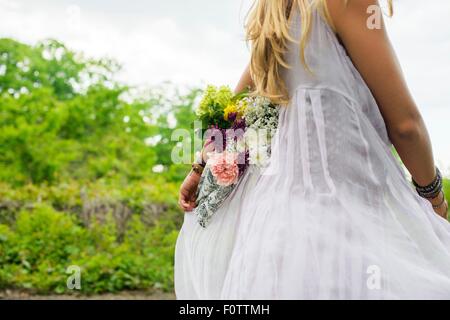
436 200
431 191
439 202
193 177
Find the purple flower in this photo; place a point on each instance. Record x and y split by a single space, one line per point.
232 116
243 162
218 136
239 124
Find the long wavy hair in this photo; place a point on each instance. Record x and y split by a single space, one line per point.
268 33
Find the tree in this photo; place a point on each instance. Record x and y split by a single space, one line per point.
63 116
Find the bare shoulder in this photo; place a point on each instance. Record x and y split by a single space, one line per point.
342 7
350 12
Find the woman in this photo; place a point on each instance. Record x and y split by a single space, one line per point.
338 219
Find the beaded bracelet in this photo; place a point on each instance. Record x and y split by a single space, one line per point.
197 168
433 189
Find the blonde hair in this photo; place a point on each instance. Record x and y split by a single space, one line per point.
268 32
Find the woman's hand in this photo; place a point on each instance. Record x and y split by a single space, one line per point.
188 191
440 201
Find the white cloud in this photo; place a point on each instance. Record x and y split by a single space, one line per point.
421 36
151 50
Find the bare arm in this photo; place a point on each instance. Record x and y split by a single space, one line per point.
374 57
245 81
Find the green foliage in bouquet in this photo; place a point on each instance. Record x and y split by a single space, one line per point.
211 108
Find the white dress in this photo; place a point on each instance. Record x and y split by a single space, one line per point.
336 219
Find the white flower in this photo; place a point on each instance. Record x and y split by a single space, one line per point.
259 156
261 114
251 137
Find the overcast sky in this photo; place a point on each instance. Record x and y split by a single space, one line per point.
193 42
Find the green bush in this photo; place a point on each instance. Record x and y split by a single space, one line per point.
76 172
36 253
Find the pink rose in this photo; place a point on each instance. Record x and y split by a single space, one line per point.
224 168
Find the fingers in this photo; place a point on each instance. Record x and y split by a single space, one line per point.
443 211
193 201
185 204
182 202
446 210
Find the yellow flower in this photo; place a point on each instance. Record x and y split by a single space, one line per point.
231 108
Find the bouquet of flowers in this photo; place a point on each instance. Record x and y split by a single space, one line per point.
241 128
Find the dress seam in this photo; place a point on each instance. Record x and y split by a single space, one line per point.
304 87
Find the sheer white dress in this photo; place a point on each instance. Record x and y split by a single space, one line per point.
336 218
